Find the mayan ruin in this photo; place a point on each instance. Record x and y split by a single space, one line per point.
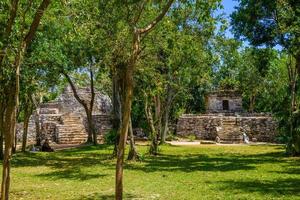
226 119
63 120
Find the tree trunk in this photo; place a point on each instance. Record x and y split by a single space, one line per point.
1 144
9 129
133 154
91 107
166 116
295 139
10 123
38 135
117 111
127 95
14 148
27 113
126 111
293 78
153 134
158 116
297 57
296 136
2 111
25 131
165 129
92 135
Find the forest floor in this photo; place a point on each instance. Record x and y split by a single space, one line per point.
180 172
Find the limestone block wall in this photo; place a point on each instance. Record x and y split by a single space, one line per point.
261 128
214 101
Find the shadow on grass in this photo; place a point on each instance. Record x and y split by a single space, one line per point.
203 162
67 164
276 187
99 196
71 174
289 171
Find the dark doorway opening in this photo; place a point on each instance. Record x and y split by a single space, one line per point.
225 105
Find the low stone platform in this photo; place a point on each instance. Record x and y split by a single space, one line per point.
229 128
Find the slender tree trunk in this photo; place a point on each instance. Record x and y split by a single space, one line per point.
158 116
1 143
293 78
92 135
166 116
128 92
14 148
133 154
27 113
297 58
91 127
117 110
126 111
25 131
296 137
9 129
10 123
91 106
2 112
38 135
153 132
295 150
165 129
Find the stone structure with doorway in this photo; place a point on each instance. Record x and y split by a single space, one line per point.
228 101
226 121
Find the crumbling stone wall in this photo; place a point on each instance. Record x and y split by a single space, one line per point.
258 127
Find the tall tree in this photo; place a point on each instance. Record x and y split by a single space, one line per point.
13 61
127 77
266 22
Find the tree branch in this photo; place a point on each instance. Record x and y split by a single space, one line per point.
138 16
36 21
10 22
157 19
81 101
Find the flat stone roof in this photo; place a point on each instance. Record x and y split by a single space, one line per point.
227 93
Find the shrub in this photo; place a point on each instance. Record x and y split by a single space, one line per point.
110 137
192 138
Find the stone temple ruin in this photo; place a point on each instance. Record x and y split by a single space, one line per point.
63 120
226 121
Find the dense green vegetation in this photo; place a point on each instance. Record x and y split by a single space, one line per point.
179 172
156 60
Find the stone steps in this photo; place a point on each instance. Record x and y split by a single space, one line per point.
230 132
72 130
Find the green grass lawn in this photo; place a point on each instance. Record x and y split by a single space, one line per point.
190 172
